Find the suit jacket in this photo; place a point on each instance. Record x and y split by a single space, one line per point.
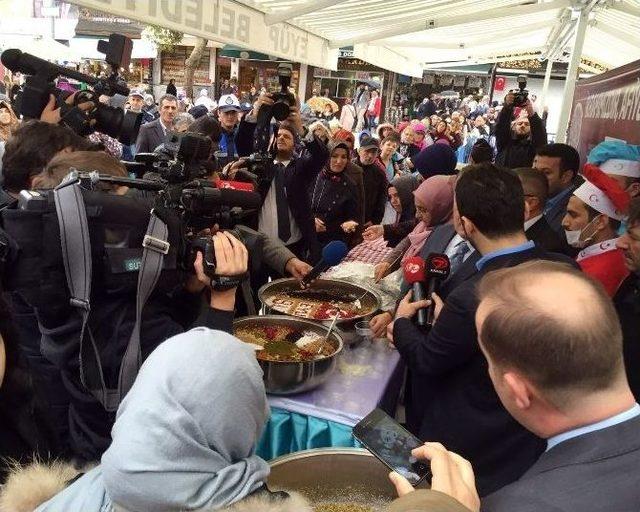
555 215
437 242
150 137
544 236
627 302
595 472
452 398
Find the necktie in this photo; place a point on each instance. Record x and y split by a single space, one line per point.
282 205
231 145
458 255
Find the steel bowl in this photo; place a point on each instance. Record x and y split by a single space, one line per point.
341 289
334 475
284 378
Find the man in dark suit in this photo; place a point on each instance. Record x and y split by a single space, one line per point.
153 134
627 298
452 399
286 209
463 258
536 227
553 344
560 164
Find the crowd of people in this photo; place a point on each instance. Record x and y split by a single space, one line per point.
524 389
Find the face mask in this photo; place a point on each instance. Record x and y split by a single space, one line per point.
574 236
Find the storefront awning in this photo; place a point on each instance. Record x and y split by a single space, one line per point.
229 22
87 48
401 34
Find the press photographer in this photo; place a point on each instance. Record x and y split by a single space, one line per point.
283 173
80 111
519 130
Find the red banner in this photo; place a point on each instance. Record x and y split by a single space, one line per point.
606 105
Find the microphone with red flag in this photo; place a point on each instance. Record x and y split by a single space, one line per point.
437 268
414 274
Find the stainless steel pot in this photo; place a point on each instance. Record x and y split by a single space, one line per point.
334 475
342 290
282 378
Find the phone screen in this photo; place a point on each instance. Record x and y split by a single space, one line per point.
392 444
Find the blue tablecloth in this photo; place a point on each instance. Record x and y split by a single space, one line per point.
367 377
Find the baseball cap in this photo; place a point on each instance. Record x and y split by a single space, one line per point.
369 143
136 92
229 102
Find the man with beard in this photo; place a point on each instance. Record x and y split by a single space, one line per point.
627 299
518 140
593 217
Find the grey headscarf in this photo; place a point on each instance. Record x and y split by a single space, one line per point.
184 435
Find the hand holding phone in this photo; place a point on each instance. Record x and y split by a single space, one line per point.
392 445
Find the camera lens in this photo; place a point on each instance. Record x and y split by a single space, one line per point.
281 110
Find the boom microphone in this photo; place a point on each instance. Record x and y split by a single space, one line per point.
438 267
332 254
28 64
414 274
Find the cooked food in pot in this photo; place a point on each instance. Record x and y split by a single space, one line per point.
285 344
342 507
316 304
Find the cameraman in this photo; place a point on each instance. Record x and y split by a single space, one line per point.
29 150
517 140
286 210
51 340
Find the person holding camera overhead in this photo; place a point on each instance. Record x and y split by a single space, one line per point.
518 139
286 211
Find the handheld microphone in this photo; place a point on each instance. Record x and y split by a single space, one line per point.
438 268
332 254
414 274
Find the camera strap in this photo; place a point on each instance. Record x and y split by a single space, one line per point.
77 257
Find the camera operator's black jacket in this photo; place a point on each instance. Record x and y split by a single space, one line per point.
513 153
300 174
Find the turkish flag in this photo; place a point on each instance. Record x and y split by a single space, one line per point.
500 83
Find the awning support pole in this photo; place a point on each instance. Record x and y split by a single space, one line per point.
572 76
545 86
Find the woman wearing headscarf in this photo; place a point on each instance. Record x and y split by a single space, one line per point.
334 198
400 193
353 171
434 206
181 441
8 121
421 138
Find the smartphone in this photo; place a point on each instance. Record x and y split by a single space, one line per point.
391 443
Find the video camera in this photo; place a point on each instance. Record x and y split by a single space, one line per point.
521 96
284 100
184 157
187 208
112 121
260 163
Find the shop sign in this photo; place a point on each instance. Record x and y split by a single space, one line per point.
225 21
606 105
